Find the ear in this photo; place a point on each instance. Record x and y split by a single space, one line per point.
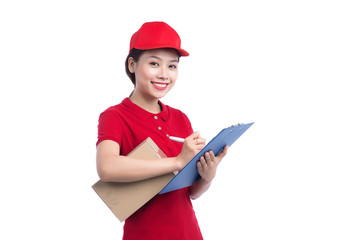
131 64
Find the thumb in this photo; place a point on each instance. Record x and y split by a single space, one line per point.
223 152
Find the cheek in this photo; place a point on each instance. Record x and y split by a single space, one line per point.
174 76
145 73
141 79
141 75
150 72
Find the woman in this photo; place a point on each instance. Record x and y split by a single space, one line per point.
152 65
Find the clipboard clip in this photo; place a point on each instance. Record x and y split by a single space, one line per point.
237 124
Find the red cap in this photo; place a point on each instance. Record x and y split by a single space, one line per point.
154 35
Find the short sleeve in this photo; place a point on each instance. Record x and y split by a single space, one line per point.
109 127
187 123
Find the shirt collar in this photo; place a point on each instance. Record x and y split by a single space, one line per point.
164 114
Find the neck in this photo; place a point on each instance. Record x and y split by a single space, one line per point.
149 104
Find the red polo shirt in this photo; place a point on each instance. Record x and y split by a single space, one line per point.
169 215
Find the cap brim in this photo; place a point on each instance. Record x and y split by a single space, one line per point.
183 53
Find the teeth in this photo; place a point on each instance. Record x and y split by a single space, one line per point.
160 84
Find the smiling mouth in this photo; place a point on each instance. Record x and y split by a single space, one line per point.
160 86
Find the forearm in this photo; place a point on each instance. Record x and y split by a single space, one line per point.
198 188
114 168
127 169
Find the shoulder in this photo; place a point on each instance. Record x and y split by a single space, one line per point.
113 109
113 115
178 117
178 120
117 109
174 111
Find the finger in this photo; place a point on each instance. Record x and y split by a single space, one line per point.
208 157
200 146
198 164
194 135
200 141
203 162
212 156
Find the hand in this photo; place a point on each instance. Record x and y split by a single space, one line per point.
208 163
192 146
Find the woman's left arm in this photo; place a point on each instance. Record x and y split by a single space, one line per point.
207 166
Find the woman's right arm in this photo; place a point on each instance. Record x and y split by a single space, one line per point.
113 167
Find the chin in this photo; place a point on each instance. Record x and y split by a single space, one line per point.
160 95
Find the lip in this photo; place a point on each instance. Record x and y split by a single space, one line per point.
160 85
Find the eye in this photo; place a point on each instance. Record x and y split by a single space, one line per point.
154 64
173 66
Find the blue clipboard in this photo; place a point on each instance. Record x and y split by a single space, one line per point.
189 174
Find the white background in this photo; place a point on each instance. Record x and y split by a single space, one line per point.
292 67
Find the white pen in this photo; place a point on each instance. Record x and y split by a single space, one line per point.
177 139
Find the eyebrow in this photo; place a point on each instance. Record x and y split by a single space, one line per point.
156 57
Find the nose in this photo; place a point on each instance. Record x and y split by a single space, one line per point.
163 73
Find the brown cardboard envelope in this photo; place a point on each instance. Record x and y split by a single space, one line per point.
124 199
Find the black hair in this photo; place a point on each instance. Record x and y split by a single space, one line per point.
135 54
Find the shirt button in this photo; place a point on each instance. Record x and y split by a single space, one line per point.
155 117
159 128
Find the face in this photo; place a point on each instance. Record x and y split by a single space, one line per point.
156 72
